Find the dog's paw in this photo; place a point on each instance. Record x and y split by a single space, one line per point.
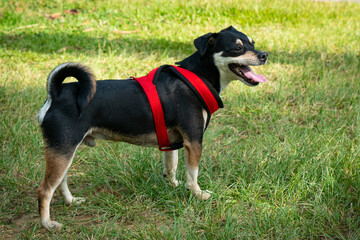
203 194
175 183
78 200
51 225
74 200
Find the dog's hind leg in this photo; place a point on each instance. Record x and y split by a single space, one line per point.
57 165
64 189
193 154
170 161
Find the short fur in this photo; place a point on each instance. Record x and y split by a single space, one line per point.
86 110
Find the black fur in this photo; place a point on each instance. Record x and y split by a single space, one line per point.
86 82
122 109
119 110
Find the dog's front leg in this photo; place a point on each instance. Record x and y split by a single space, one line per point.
193 154
170 161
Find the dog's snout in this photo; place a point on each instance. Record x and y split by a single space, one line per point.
262 56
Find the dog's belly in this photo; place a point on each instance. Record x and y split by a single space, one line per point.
146 139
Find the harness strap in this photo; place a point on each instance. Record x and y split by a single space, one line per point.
201 88
146 82
210 102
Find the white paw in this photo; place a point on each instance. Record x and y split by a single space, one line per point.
203 195
75 200
175 183
78 200
51 225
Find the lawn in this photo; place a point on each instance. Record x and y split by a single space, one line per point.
282 159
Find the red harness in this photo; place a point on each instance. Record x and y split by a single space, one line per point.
146 82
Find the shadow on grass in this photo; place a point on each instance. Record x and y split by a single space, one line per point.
78 42
42 42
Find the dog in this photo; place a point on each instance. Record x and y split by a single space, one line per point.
118 110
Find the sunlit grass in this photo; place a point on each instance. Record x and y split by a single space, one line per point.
282 158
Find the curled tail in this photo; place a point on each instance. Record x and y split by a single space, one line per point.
86 81
84 76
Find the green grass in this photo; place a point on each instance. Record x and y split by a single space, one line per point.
282 159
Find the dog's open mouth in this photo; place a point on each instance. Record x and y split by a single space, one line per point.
247 74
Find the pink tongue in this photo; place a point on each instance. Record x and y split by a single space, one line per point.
251 75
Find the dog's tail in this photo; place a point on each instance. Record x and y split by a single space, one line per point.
84 76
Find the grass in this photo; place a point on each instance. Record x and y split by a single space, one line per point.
283 158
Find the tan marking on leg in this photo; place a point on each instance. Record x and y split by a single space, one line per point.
56 167
193 154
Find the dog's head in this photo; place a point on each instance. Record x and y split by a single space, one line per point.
232 52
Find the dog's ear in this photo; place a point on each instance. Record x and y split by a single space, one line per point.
204 42
230 28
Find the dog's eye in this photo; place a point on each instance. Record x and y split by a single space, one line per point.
237 48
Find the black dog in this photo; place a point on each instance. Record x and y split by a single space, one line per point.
80 112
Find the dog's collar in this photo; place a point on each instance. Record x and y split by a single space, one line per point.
208 96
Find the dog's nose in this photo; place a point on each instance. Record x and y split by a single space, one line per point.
262 56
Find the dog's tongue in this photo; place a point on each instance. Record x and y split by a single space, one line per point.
246 70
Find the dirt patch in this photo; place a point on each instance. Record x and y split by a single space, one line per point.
12 227
24 219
